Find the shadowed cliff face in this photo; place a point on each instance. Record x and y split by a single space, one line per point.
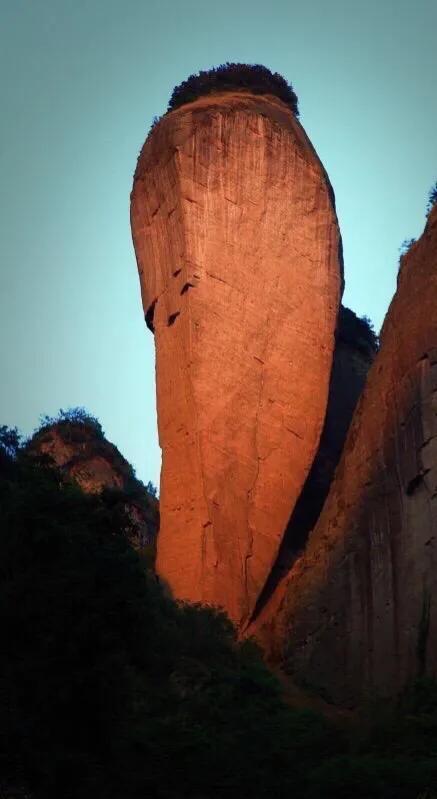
357 610
238 246
355 350
95 464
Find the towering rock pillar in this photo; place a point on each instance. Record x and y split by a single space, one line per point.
238 251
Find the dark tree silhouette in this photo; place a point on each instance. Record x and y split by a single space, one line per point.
231 77
432 198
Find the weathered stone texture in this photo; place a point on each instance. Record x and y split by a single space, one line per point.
354 353
239 254
357 612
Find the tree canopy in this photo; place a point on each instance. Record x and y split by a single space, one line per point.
234 77
109 688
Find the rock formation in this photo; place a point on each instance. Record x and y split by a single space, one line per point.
239 256
84 455
357 612
355 350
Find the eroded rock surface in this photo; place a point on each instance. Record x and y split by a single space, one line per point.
84 455
357 612
239 256
354 353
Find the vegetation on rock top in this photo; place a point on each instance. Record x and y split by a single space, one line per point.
78 426
432 199
86 445
232 77
357 332
65 420
408 243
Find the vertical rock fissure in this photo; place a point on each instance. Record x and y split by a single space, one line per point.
250 491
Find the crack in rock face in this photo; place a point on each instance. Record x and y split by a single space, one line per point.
236 234
348 618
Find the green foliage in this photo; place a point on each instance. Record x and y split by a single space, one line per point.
69 418
231 77
10 441
405 246
432 199
151 489
392 750
147 554
357 332
366 776
108 688
404 249
368 331
77 425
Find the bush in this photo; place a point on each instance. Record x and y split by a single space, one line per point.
403 251
10 440
231 77
109 688
405 247
71 416
357 331
432 199
151 489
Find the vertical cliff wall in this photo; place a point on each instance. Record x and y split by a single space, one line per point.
354 353
358 611
238 251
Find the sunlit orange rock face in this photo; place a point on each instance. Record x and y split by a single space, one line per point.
355 350
237 244
357 612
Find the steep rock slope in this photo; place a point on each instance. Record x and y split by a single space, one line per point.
357 612
239 256
86 456
355 350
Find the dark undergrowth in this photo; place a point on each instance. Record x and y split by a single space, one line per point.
108 688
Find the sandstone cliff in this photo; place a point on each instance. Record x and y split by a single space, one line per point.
84 455
239 256
357 612
355 350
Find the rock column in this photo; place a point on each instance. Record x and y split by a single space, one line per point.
239 256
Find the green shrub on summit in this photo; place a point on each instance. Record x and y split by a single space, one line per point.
232 77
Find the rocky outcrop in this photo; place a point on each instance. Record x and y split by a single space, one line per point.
357 612
239 256
84 455
355 349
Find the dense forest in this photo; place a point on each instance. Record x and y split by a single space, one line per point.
109 688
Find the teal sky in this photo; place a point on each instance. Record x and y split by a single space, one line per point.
80 83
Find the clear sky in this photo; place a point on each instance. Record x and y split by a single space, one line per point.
81 81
